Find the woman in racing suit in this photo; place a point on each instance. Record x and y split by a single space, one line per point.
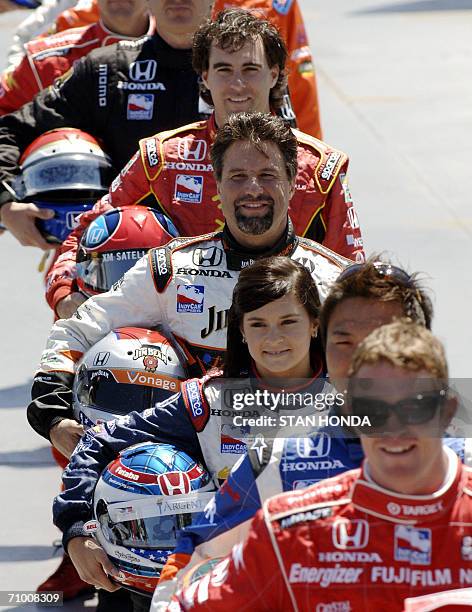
278 303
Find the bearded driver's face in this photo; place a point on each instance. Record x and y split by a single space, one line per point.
255 192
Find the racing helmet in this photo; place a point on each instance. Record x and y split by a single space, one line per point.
66 170
129 369
142 499
114 241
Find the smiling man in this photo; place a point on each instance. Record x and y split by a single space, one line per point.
398 528
242 62
187 285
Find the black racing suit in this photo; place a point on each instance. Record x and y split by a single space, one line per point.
120 94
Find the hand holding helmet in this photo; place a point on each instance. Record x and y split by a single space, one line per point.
63 173
140 502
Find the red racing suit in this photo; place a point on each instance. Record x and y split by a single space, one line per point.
345 544
287 17
48 58
173 171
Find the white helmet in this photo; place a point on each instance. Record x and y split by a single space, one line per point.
141 501
130 369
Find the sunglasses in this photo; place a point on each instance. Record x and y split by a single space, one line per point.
383 269
414 410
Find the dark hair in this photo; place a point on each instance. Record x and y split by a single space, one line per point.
255 128
378 279
230 31
265 281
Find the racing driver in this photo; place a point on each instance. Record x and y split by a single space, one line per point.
400 527
187 285
241 60
47 58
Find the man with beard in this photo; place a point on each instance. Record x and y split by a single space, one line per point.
242 62
186 286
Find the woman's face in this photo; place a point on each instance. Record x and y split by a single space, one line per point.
350 322
278 337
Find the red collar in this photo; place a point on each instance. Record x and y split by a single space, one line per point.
409 509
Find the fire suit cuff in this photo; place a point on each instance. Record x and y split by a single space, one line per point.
59 294
73 531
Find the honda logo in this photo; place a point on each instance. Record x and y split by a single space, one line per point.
174 483
101 359
350 535
144 70
207 258
195 150
318 446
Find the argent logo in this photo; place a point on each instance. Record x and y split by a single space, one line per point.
318 446
192 149
144 70
207 258
350 535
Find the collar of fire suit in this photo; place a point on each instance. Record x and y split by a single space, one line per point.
168 56
238 257
410 509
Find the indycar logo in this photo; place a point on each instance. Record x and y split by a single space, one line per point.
140 107
189 188
190 298
413 545
142 71
195 150
350 535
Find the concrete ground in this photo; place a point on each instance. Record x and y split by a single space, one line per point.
396 94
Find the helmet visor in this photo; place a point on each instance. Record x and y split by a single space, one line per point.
101 271
154 522
101 389
62 172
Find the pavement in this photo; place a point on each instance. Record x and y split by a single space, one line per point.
396 95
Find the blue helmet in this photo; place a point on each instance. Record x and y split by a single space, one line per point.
142 499
65 170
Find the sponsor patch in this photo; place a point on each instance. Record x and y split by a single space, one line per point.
140 107
189 188
282 6
466 548
327 171
306 68
413 545
347 191
190 298
195 150
151 152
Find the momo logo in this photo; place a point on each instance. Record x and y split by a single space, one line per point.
174 483
195 150
144 70
318 446
207 258
413 545
350 535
